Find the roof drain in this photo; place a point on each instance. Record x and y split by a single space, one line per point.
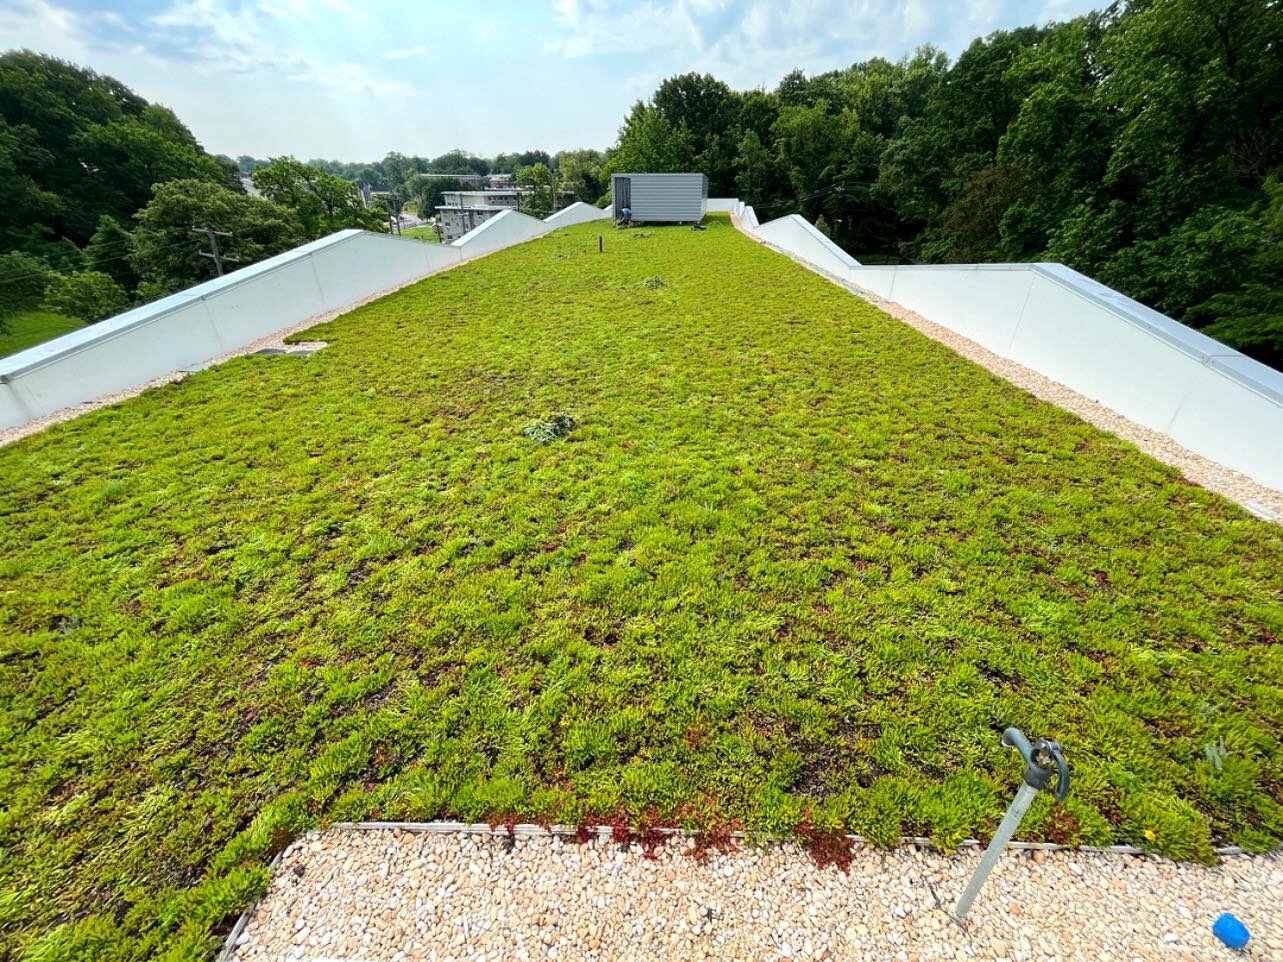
1043 759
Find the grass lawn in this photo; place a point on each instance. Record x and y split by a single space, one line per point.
422 233
29 328
795 565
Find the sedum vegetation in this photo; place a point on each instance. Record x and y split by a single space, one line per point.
541 538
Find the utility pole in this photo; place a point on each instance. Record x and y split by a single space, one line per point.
215 256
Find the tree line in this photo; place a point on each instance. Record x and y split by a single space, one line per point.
102 189
1141 144
420 182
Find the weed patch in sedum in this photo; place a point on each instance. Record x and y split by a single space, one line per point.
792 567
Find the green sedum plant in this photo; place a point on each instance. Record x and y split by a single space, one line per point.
794 569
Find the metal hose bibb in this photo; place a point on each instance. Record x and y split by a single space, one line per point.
1044 760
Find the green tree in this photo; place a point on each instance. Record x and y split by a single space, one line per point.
1251 317
758 111
23 278
110 252
322 202
541 184
650 143
1060 136
26 218
510 163
231 173
1199 87
708 110
459 162
810 144
247 164
580 171
166 253
969 227
952 129
75 145
756 171
87 295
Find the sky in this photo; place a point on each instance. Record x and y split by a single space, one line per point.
354 79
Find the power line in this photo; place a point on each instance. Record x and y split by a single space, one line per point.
125 246
216 256
14 278
23 275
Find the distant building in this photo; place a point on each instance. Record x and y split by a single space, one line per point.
462 210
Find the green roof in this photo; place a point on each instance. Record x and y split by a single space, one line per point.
678 531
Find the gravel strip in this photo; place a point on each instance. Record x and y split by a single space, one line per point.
273 340
1260 500
397 896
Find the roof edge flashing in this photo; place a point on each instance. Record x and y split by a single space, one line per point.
41 355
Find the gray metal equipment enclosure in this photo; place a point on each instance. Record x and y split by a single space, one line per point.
660 198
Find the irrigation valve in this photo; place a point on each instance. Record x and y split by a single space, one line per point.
1044 764
1044 758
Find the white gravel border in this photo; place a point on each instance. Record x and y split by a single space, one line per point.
1258 499
441 891
531 830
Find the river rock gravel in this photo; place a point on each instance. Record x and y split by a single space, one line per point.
390 895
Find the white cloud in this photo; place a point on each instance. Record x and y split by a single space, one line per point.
405 53
212 33
245 40
36 22
755 41
353 77
302 8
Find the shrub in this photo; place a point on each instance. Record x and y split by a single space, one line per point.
22 280
88 295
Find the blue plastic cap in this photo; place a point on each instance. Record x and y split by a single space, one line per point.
1231 931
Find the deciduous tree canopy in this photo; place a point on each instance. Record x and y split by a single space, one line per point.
166 253
75 145
1142 145
323 202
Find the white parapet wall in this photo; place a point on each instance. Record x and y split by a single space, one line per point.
577 213
804 240
203 322
503 230
1157 372
1208 397
192 327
